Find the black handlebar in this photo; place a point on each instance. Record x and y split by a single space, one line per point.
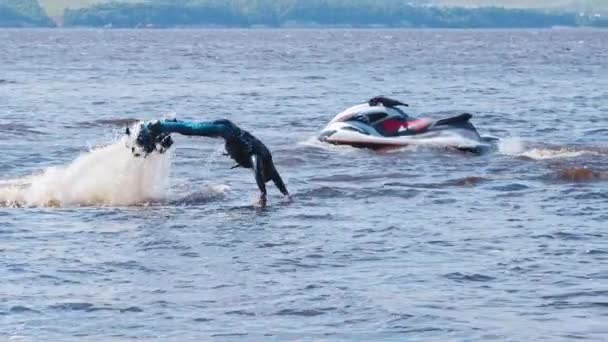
386 102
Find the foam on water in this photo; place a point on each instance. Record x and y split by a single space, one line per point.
518 148
448 141
109 175
543 153
316 143
511 146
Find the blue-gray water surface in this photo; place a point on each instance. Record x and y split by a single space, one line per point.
416 244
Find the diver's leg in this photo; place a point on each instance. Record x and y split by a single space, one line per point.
276 178
258 169
158 132
206 129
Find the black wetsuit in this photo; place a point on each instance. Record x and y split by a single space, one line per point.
248 151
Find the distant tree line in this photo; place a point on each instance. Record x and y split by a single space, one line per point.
286 13
280 13
23 13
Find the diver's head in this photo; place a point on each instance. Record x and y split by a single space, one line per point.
149 139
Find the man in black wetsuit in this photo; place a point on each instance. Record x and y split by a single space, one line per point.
248 151
391 126
386 102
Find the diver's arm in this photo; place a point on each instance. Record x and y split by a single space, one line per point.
206 129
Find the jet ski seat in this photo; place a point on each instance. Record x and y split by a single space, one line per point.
418 125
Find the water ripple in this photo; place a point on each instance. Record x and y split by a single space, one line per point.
408 244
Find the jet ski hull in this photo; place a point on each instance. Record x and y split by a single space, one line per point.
464 138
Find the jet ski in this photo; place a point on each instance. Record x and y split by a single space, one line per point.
381 123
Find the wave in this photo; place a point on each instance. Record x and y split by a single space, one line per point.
518 148
543 153
104 123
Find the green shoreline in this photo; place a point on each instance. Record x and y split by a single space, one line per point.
291 14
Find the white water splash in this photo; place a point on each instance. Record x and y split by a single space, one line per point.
109 175
316 143
518 148
511 146
542 154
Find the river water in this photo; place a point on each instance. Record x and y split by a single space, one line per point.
420 243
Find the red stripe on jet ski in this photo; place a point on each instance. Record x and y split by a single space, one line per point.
392 127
